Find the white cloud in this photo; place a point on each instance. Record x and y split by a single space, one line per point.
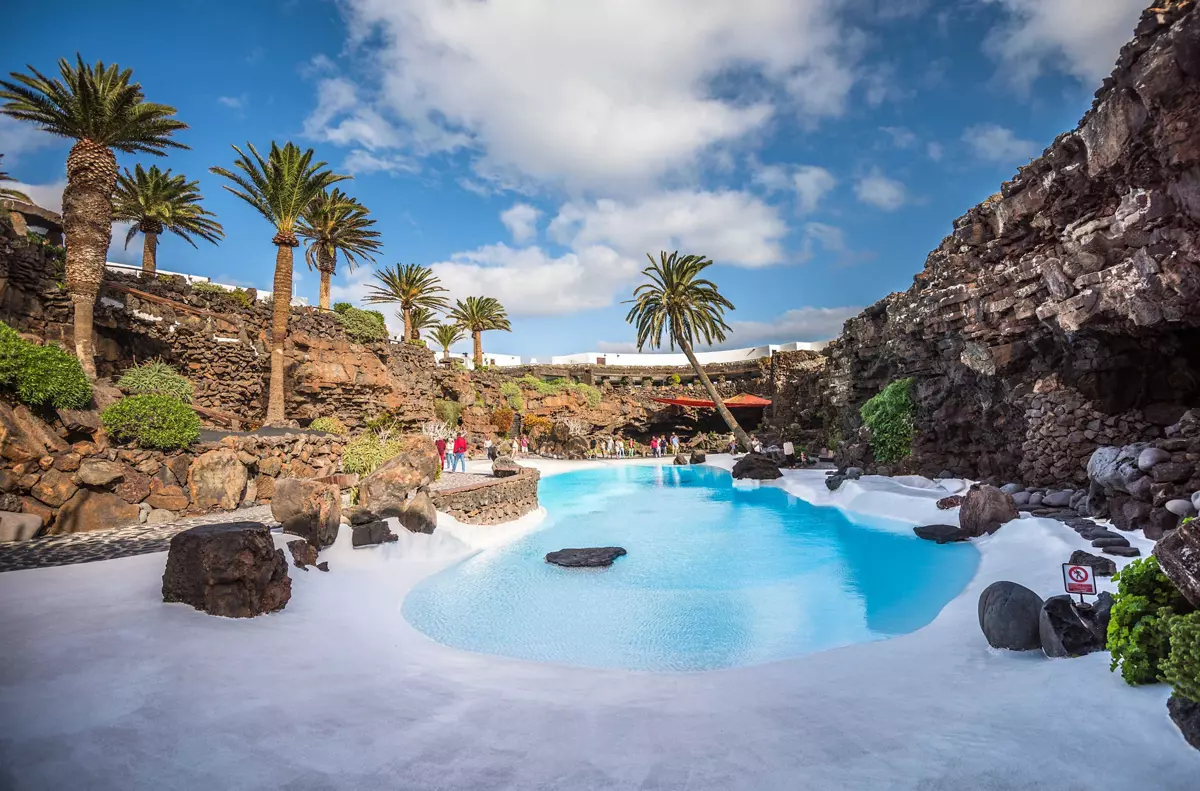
360 162
20 137
902 137
48 196
880 191
935 151
233 102
799 324
583 95
994 143
811 184
1080 37
616 347
729 227
521 221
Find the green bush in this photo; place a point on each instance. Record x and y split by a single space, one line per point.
367 451
329 424
512 396
674 379
1182 667
889 415
342 307
1139 626
42 375
363 326
238 295
156 378
556 386
448 412
152 421
204 287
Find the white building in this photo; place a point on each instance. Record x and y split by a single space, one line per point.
496 360
130 269
680 359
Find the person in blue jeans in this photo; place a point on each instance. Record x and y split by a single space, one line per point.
459 456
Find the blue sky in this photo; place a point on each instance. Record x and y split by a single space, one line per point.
535 150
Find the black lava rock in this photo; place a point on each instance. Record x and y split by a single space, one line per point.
1067 631
371 534
1185 714
943 534
1008 616
1102 567
1124 552
587 557
756 467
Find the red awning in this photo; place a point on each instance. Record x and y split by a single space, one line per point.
739 400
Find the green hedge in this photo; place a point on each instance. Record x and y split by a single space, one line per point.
512 395
889 415
1182 667
156 378
152 421
448 412
363 326
1139 635
556 386
329 424
41 375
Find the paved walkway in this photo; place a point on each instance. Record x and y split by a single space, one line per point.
453 480
119 543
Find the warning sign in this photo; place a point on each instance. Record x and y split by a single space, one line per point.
1079 579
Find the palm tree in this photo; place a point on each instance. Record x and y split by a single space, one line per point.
101 110
8 192
334 223
280 187
421 319
154 201
688 308
478 315
446 335
411 285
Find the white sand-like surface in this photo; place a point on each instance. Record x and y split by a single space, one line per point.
102 686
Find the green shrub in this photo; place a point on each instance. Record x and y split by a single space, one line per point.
342 307
555 386
367 451
1182 667
674 379
512 396
152 421
448 412
329 424
889 415
1139 626
156 378
204 287
42 375
363 326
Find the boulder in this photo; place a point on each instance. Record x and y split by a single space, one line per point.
1021 498
853 473
1123 552
1151 456
417 515
1171 472
1115 467
1012 488
985 509
505 467
169 498
357 515
1009 616
1110 541
54 488
390 486
833 482
1057 499
308 508
1180 507
942 534
681 460
68 462
100 473
1185 714
953 501
1178 555
699 456
1101 567
372 533
93 510
304 554
1066 631
24 436
217 479
159 516
18 527
134 486
229 569
588 557
756 467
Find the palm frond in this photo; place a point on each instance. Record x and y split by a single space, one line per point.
155 198
678 302
446 335
409 285
280 187
479 314
334 222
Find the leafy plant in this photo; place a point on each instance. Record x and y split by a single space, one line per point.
156 378
329 425
1181 669
448 412
368 450
153 421
674 379
502 418
512 396
536 425
889 415
363 326
556 386
342 307
1139 626
42 374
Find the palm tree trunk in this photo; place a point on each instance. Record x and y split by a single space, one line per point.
324 299
742 437
149 254
407 313
477 337
87 221
281 308
326 264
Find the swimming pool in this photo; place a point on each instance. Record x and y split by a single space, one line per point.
716 576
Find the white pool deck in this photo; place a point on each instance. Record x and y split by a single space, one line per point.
102 686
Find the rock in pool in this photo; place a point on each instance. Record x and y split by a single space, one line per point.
1009 615
942 534
587 557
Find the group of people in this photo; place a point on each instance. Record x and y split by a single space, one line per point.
659 445
453 453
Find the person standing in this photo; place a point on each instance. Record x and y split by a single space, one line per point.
489 449
440 444
674 444
524 445
460 453
620 448
654 447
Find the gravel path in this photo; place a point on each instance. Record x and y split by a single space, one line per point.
119 543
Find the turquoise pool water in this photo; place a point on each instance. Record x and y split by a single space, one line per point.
716 576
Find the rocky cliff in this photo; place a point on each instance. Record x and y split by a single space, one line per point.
1061 314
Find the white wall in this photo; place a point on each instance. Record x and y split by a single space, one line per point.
679 359
130 269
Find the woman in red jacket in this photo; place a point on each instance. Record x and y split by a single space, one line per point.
460 453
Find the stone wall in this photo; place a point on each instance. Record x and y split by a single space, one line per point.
491 502
1083 269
